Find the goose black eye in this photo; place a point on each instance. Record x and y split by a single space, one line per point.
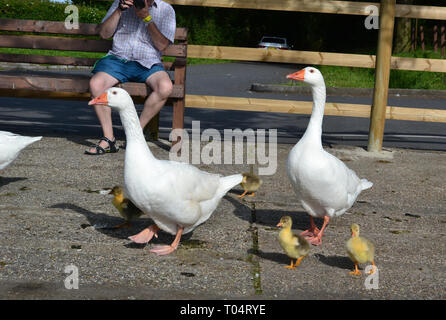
311 70
114 92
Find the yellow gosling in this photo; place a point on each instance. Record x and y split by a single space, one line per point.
294 245
360 250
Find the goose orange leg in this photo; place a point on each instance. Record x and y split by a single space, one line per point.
243 194
356 272
291 266
298 261
373 268
163 250
316 240
146 235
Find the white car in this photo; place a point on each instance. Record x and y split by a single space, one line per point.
274 43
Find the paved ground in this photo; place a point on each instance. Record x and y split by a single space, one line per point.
49 204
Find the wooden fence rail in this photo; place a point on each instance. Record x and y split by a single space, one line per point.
312 57
318 6
305 107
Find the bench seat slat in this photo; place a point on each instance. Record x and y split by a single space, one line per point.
63 82
60 60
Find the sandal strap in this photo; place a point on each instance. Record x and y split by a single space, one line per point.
111 144
99 149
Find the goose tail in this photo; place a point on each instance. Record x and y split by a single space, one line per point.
366 184
229 182
32 140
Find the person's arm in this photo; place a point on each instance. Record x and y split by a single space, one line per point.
159 40
108 27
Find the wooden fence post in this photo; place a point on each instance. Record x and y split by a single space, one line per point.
436 38
442 40
382 75
422 37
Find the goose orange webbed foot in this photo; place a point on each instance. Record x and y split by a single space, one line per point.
291 266
146 235
243 194
355 272
312 232
164 250
315 240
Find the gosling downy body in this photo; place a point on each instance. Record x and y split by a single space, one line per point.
250 183
360 250
324 185
176 195
10 146
126 208
294 245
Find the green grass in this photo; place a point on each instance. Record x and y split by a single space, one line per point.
78 54
96 55
365 78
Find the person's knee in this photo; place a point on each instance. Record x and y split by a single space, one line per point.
164 88
98 85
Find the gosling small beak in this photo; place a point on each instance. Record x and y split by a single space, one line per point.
101 100
299 75
280 224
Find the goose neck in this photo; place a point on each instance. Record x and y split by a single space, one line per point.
133 131
317 114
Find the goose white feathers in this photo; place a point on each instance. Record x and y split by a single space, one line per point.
324 185
10 146
176 195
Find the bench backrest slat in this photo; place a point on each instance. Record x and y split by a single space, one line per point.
72 44
87 29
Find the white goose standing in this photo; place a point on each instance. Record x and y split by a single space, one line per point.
10 146
324 185
176 195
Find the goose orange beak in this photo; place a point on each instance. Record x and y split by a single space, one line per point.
279 224
299 75
101 100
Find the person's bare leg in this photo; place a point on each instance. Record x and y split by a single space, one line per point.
99 83
161 85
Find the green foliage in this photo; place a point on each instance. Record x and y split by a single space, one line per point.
45 10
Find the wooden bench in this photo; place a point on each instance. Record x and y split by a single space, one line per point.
51 35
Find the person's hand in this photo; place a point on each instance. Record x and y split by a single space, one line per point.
125 4
144 12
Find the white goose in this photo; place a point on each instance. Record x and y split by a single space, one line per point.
177 196
324 185
10 146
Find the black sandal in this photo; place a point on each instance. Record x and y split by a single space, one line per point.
99 150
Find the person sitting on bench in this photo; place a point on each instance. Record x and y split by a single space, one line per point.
140 34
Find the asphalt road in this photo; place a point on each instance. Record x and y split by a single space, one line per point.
62 117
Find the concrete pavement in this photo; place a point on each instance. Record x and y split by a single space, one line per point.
50 201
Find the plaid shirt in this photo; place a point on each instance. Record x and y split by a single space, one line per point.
132 41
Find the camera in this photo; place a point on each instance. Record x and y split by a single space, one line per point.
139 3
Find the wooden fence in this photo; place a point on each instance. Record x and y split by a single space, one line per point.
378 112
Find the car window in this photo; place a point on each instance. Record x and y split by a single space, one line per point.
275 40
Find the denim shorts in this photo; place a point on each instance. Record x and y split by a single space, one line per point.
125 70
